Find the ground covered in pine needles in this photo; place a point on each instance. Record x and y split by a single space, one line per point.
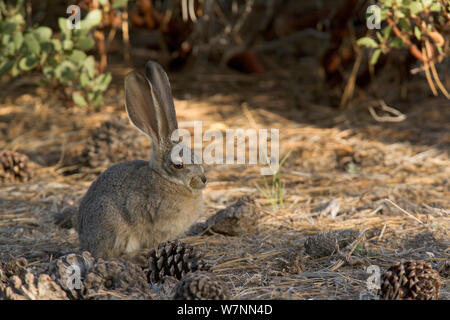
390 181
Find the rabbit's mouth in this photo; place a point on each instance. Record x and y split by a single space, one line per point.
198 182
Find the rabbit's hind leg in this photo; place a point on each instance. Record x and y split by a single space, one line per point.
102 229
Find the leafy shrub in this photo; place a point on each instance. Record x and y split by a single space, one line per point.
61 59
411 24
421 26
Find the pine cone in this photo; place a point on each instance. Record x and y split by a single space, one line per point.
19 283
410 280
325 244
115 141
12 268
66 269
14 167
237 219
116 279
201 285
173 258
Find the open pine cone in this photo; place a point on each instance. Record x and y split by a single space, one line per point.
114 141
116 279
201 285
14 167
410 280
33 287
64 270
12 267
17 282
174 258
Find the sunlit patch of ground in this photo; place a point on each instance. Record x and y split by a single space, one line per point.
344 170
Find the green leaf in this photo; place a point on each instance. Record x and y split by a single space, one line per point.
28 63
417 32
65 71
84 80
57 45
17 18
89 66
92 19
79 99
397 43
375 57
52 62
5 66
78 33
9 28
77 57
367 42
9 49
48 72
46 47
405 25
84 43
43 57
399 14
67 44
32 44
43 33
3 7
102 82
435 7
387 32
415 7
119 4
427 3
15 70
18 40
62 22
6 38
379 37
383 14
97 100
90 95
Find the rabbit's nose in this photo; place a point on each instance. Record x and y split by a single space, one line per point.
198 182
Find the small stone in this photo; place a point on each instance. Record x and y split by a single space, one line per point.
237 219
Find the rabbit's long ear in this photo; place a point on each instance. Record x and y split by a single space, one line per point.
149 103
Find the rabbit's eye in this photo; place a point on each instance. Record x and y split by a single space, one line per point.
178 165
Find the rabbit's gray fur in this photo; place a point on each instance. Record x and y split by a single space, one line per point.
135 205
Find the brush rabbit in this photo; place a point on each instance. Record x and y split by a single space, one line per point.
137 204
